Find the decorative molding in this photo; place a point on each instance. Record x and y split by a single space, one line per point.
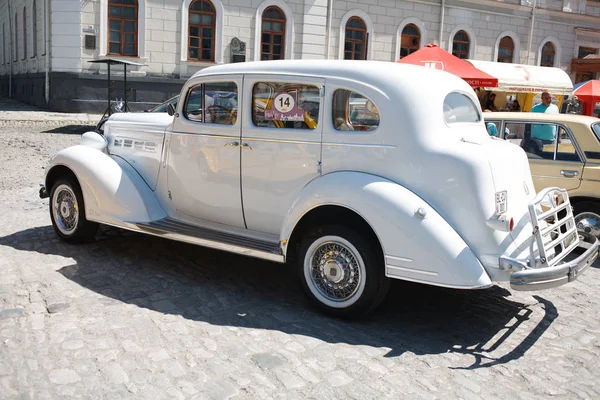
472 38
368 22
516 50
289 27
185 18
418 24
141 50
557 48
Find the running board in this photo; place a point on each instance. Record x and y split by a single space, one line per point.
171 229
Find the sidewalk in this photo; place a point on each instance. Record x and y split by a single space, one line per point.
14 111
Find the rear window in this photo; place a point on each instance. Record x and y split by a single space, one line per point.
596 129
458 108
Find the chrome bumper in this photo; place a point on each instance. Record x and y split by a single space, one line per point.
546 278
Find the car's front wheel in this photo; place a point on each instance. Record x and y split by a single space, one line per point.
341 271
67 212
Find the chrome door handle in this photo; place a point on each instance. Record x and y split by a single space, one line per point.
568 173
234 144
246 145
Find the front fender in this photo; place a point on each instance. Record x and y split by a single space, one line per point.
418 249
113 192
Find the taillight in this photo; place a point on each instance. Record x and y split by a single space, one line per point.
511 225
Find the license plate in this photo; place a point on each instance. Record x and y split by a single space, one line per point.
501 202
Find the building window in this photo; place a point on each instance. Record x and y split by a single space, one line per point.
355 44
461 44
273 34
410 40
123 27
34 28
586 51
548 52
24 33
506 49
201 38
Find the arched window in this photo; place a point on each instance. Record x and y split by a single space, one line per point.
24 33
123 27
548 52
355 43
201 38
410 40
34 28
460 45
272 34
506 50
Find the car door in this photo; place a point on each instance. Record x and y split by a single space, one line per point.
281 146
554 157
204 153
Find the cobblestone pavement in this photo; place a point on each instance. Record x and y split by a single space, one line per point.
133 316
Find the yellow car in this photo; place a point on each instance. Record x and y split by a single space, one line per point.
563 151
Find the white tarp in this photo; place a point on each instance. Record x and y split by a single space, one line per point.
519 78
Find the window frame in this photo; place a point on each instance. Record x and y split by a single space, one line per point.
542 62
504 47
122 19
546 122
287 84
34 29
273 33
467 42
202 85
24 33
346 111
474 104
354 42
410 35
200 27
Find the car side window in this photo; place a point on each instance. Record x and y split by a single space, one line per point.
460 108
285 105
541 140
213 102
353 112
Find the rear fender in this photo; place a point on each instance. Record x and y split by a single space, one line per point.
113 191
420 248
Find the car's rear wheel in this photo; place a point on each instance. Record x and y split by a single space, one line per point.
67 212
587 217
341 271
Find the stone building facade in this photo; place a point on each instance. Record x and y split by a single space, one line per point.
46 45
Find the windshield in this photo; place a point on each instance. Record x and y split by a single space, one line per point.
163 106
459 108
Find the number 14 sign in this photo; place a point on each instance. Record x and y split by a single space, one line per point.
285 108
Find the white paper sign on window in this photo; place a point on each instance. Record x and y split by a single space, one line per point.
285 108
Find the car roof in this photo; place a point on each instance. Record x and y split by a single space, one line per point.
417 80
540 117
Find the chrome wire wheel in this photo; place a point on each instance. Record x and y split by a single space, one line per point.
588 222
334 271
65 209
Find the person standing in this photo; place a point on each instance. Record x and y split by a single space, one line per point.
546 105
546 133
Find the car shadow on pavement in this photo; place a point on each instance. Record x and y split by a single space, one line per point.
224 289
71 129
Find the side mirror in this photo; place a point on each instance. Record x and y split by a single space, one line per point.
170 109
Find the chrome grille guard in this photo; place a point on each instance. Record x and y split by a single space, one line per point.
551 230
554 237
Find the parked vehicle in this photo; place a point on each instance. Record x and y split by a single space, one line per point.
571 159
331 167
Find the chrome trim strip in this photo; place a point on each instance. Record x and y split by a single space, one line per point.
384 146
414 271
590 180
209 135
250 139
181 237
399 258
553 177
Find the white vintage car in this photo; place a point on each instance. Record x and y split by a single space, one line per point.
353 172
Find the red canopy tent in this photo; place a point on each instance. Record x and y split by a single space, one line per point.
589 93
433 56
